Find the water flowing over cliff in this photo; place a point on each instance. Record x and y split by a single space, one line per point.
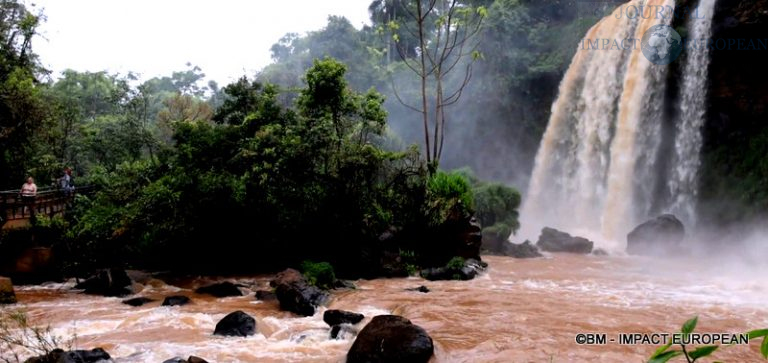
683 184
602 163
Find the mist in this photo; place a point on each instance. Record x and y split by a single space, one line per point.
472 184
496 127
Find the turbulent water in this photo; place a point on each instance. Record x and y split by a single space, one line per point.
598 167
520 311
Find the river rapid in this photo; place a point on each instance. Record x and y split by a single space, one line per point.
519 311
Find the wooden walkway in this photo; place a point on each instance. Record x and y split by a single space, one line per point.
15 212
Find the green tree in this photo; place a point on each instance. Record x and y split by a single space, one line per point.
290 174
21 109
294 55
185 82
97 119
77 100
386 12
241 99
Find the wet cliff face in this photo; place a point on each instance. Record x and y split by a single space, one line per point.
738 91
734 174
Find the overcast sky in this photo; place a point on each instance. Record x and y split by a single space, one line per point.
226 38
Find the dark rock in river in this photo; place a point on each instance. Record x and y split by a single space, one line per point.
344 284
137 301
495 239
110 282
395 251
265 295
337 317
599 252
552 240
342 331
656 237
460 235
472 238
191 359
220 289
382 258
7 295
295 294
468 271
237 324
391 338
73 356
523 250
421 288
176 300
435 274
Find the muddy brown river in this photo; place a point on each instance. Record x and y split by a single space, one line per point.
519 311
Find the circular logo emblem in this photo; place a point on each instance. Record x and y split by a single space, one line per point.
662 44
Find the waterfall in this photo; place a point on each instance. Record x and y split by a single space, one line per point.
596 171
683 183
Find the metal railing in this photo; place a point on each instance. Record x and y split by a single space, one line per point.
47 201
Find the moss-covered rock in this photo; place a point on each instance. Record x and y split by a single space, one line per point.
319 274
552 240
495 238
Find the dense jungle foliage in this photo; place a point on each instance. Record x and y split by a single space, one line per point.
312 149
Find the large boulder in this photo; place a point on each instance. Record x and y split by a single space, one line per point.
552 240
7 295
391 338
220 289
295 294
238 324
176 300
264 295
522 250
382 257
460 235
337 317
108 282
471 238
467 270
495 239
656 237
97 355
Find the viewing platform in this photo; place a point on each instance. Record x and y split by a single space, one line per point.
17 213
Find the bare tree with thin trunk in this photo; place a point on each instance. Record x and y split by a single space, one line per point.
446 31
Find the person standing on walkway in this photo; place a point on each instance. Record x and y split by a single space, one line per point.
28 193
67 182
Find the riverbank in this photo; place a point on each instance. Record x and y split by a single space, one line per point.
518 311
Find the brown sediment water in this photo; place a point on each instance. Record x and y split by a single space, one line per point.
519 311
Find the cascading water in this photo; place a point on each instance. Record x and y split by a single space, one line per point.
596 171
683 183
